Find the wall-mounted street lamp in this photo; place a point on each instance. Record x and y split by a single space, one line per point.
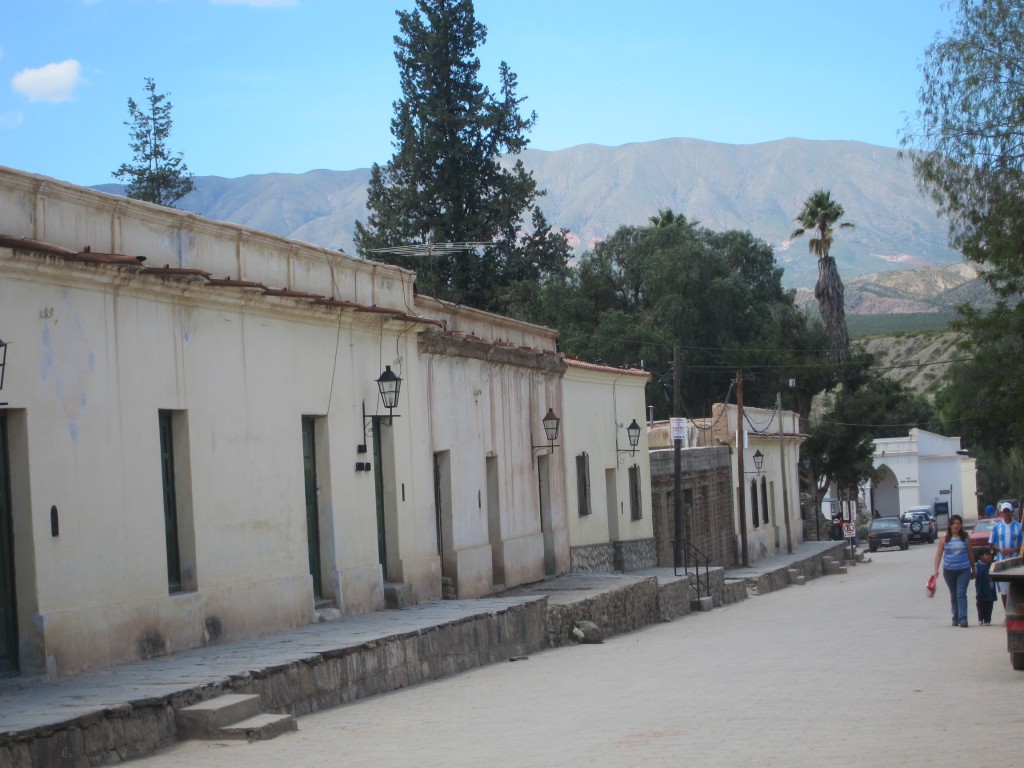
758 459
390 386
633 432
550 423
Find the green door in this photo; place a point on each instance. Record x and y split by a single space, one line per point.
8 613
312 510
378 485
170 502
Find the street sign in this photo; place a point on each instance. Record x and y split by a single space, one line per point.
849 530
677 428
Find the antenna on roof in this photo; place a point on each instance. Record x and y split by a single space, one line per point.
429 249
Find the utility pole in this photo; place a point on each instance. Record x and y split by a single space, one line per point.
677 488
742 487
782 468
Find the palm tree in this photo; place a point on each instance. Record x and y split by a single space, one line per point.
667 218
821 215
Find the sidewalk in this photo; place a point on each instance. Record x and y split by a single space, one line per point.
129 711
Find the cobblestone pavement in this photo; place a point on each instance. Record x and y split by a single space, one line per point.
844 669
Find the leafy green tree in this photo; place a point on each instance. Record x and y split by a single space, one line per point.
644 290
821 215
980 399
867 407
965 146
154 175
447 182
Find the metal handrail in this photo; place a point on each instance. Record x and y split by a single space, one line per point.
691 551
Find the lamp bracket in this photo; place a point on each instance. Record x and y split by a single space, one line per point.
369 420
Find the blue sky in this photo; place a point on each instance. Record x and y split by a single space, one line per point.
289 86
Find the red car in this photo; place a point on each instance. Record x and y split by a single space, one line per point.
981 532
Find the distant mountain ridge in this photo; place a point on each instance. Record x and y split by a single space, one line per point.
592 190
927 290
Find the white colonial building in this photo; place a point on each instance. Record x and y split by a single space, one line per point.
922 469
193 447
609 478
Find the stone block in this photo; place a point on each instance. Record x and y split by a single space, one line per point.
705 603
202 720
258 728
589 632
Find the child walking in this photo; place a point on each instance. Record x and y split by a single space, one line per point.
984 590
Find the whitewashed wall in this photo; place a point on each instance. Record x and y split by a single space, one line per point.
600 402
924 465
97 350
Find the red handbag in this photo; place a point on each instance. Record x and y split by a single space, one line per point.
931 586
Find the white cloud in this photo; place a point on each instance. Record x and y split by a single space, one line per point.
11 119
53 82
257 3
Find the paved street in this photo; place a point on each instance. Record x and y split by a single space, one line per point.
846 669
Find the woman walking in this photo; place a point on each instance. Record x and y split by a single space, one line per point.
957 561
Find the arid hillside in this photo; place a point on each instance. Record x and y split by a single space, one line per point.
919 360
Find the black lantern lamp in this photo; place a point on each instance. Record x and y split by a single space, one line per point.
389 385
633 432
758 459
550 423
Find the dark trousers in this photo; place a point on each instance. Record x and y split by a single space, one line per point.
985 610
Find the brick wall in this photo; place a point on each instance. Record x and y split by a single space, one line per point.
707 503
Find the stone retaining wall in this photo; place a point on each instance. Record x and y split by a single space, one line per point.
347 674
615 612
675 599
322 681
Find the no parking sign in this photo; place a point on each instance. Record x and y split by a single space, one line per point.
849 530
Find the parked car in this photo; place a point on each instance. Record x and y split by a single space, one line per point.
887 532
980 533
923 509
920 527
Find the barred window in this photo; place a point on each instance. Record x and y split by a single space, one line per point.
635 509
583 483
764 500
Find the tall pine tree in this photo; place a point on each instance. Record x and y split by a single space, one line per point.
154 175
446 182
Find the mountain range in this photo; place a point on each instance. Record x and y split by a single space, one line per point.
592 190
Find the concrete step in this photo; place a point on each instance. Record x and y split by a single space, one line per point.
833 567
327 614
259 727
705 603
203 720
795 577
394 595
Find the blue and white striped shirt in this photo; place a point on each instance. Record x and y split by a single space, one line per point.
1006 536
